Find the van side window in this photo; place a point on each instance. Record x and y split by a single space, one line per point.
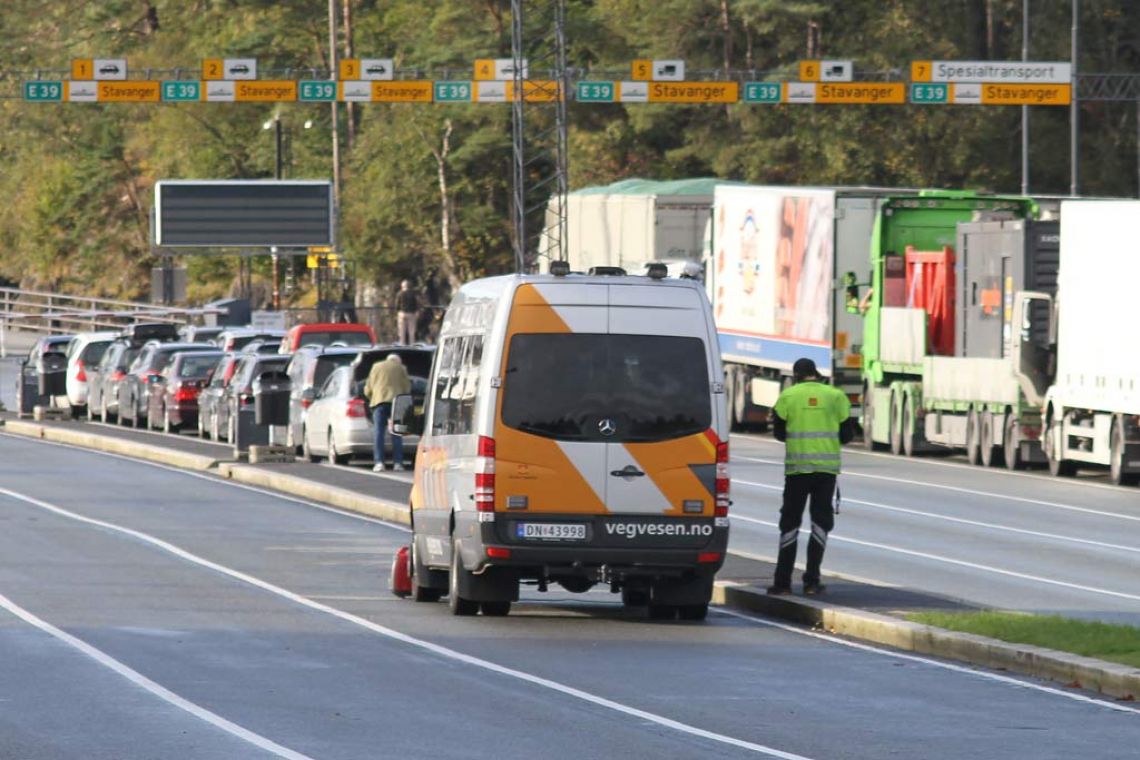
468 384
442 404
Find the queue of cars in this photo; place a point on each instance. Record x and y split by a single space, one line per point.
201 379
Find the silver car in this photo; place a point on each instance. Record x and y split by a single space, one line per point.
337 423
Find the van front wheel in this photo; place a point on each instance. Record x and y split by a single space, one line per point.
458 605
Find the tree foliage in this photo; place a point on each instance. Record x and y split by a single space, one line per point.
426 189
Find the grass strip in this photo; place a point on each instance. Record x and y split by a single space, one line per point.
1104 641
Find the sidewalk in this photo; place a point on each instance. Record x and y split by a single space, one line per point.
859 610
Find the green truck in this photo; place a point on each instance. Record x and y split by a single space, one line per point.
949 344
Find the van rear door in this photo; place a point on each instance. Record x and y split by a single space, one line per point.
661 421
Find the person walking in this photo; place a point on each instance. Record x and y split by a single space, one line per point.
407 310
813 419
386 380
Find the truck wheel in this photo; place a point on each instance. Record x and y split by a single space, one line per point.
973 444
1011 446
909 435
896 428
1116 460
634 597
1058 467
739 399
868 419
987 450
458 605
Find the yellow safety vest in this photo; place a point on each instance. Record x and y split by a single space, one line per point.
813 413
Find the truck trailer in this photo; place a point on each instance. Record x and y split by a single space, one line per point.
782 265
955 326
1092 409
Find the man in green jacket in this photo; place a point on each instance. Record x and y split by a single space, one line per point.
813 419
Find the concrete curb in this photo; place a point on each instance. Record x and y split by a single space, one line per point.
309 489
111 445
1107 678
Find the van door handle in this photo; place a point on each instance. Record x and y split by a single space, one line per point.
629 471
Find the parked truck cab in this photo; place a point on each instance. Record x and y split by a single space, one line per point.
575 432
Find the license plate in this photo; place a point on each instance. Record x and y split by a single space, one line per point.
553 531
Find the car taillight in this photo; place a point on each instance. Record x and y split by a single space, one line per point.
485 476
306 403
721 479
185 392
118 375
355 408
80 374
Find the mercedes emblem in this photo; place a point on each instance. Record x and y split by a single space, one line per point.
607 427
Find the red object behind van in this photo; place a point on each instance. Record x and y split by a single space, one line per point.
327 334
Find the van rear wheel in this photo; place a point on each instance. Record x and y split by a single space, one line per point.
458 605
693 611
420 592
496 609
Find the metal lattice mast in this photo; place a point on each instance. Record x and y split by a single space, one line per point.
539 124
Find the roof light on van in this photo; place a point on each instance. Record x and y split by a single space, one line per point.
656 270
560 268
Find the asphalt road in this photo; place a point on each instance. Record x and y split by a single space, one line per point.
1023 541
149 612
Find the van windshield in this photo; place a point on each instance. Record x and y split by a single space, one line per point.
579 387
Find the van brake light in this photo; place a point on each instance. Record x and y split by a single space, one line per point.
722 480
485 475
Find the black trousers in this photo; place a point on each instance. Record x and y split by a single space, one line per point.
798 489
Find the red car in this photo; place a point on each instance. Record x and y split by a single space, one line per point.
174 397
327 334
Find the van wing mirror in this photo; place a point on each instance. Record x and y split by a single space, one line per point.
405 421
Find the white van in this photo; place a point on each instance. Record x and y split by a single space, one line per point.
574 432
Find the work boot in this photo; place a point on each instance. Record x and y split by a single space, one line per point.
814 589
779 590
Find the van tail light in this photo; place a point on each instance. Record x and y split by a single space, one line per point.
721 479
81 374
485 475
355 408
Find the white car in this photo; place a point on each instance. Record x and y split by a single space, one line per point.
337 423
83 355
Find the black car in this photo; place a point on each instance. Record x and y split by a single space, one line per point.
238 395
145 371
50 350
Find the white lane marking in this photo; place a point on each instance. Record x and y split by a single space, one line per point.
964 521
998 471
959 562
928 661
395 635
973 492
218 480
138 679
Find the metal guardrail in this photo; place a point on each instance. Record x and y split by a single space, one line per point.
45 313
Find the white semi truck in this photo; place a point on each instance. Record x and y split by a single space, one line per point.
1092 409
776 261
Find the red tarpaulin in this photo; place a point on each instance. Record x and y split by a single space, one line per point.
930 286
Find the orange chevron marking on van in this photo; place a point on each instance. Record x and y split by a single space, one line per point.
551 481
668 465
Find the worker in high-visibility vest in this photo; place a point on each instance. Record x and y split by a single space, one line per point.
813 419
